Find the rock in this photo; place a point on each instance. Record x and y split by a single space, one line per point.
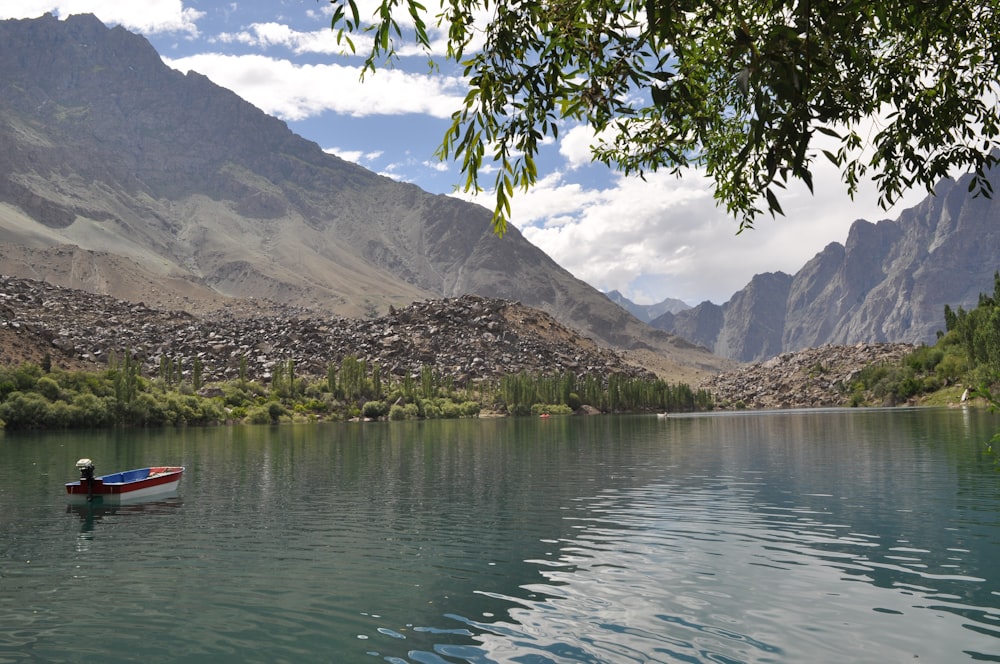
442 334
813 378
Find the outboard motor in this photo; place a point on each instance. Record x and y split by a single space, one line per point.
86 468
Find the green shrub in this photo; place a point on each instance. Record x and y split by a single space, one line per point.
316 406
48 388
26 376
951 368
430 409
551 409
275 410
925 359
235 395
90 412
25 410
149 411
930 384
268 413
259 415
519 410
58 415
374 409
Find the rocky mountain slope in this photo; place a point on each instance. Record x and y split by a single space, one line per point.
469 338
889 281
121 176
813 378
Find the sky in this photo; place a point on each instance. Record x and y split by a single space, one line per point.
653 239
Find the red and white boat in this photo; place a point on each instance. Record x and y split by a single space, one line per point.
126 486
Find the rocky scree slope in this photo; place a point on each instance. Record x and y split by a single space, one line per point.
813 378
469 338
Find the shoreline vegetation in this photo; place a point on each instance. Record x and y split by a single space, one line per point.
37 396
963 366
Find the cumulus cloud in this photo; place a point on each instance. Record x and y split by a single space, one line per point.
356 156
575 146
666 237
296 91
323 40
147 17
265 35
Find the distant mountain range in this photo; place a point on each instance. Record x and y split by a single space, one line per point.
648 312
121 176
890 281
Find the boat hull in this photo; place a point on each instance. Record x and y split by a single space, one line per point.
127 486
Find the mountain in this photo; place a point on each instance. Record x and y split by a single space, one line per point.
889 282
124 177
647 312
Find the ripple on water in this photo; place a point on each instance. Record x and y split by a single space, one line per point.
679 544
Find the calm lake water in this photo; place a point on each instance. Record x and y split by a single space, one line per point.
832 536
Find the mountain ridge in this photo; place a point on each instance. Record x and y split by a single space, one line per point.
888 282
203 198
647 312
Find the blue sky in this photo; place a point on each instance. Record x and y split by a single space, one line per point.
650 239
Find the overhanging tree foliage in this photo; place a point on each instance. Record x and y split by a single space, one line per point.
742 89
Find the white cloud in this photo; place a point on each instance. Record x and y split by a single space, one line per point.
356 156
665 237
265 35
295 92
439 166
575 145
147 17
323 40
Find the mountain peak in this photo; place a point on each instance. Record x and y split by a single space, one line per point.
170 188
647 312
888 282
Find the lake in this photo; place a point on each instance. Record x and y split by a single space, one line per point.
802 536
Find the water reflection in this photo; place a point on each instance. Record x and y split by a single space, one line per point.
819 537
759 564
91 512
92 515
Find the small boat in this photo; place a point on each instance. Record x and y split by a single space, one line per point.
662 415
126 486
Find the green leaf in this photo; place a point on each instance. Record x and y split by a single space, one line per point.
772 203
